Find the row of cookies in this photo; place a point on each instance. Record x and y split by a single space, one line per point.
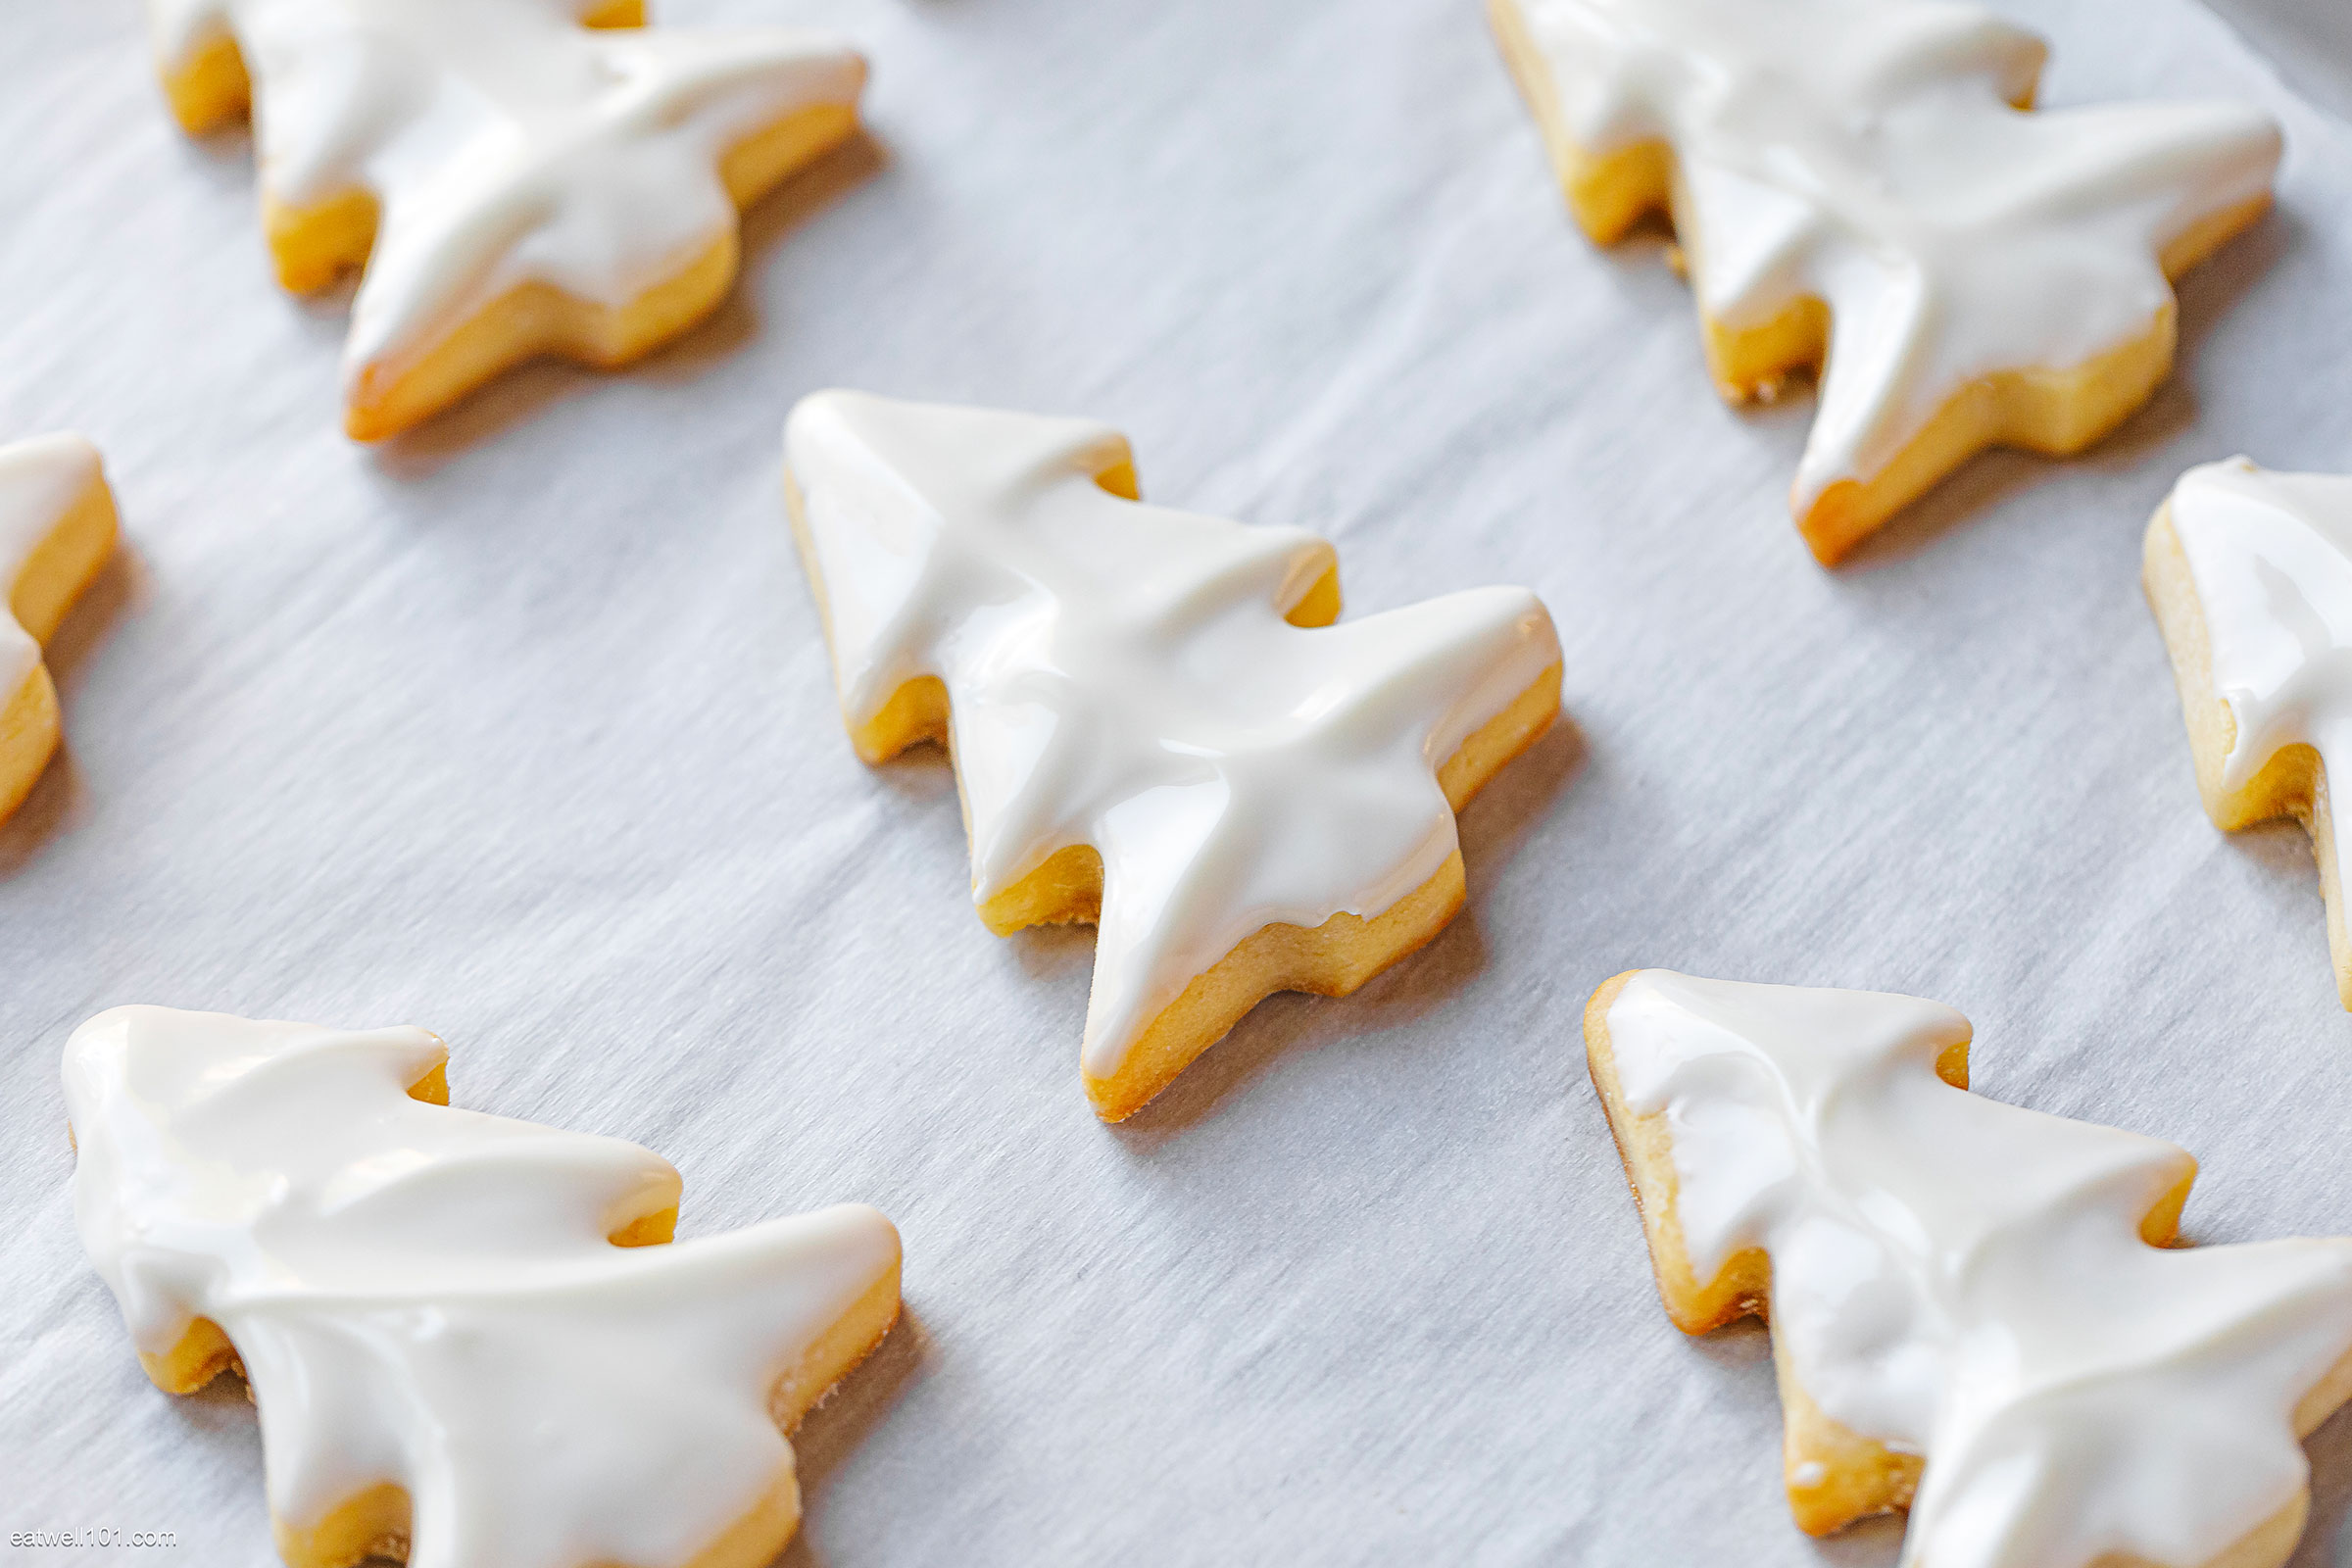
922 526
1325 850
1450 691
550 177
475 1342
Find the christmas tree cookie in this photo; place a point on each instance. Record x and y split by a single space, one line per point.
472 1340
1976 1310
1156 726
2250 575
518 177
1858 186
57 528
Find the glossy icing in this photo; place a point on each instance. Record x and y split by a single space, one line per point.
1864 153
2271 555
1966 1280
1122 675
503 141
40 480
426 1295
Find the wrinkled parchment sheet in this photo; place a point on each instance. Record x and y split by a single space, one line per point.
520 729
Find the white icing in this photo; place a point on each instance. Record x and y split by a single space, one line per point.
426 1295
1963 1279
1121 675
40 480
2271 555
1864 152
505 142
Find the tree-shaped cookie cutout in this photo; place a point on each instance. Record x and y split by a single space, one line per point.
516 177
2251 575
1976 1309
57 528
1153 723
464 1342
1858 186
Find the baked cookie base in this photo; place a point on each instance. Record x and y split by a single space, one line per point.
313 246
1857 1476
211 88
2292 783
535 319
29 732
376 1520
1329 959
56 572
1832 1474
2055 410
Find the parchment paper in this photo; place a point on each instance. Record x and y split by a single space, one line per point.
520 729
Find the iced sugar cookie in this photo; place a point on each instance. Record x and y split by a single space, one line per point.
2251 575
1976 1309
1156 725
472 1340
516 177
57 527
1995 276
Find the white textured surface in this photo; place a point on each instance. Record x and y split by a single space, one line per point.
522 731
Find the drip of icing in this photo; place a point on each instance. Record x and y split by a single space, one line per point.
2271 555
1864 152
426 1295
1963 1279
1121 675
40 480
503 141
